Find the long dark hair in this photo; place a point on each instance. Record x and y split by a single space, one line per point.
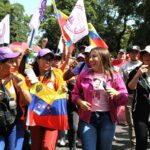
107 67
37 71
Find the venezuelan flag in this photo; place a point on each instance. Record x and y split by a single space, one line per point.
48 108
62 18
94 38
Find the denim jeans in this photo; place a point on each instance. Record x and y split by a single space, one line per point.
20 135
8 142
14 138
99 133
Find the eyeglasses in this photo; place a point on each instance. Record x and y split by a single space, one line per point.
46 59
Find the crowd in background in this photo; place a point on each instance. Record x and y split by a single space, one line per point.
103 91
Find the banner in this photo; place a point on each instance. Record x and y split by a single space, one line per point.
94 38
76 26
5 30
37 18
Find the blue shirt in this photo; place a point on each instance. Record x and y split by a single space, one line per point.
82 66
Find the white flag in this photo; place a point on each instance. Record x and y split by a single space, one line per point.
37 18
5 30
60 46
76 26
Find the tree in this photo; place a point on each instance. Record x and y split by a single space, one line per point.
119 23
19 29
142 29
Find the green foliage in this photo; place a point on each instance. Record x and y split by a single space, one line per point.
19 29
121 23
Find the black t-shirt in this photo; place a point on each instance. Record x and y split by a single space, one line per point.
141 102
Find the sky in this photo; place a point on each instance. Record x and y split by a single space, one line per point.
30 6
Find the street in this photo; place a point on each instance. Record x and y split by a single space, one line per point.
121 142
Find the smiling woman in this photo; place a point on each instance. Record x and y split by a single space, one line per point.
98 92
44 136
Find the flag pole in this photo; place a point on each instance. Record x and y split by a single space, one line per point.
32 36
30 45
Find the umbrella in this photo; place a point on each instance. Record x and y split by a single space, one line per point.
24 46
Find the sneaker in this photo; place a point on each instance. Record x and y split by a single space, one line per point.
115 138
79 144
62 142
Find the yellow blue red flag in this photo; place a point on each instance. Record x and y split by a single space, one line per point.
94 38
62 18
48 108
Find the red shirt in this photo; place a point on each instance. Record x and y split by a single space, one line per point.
118 63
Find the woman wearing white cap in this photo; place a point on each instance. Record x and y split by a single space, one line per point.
139 82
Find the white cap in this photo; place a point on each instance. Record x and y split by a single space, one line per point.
80 55
147 49
88 49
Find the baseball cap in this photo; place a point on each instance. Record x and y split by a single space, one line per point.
88 49
136 48
122 51
7 53
45 51
147 49
80 56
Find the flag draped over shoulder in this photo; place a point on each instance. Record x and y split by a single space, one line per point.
5 30
76 25
48 108
37 18
94 38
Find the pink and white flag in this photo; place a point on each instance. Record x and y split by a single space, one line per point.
76 26
5 30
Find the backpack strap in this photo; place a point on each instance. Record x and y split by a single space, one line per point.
6 81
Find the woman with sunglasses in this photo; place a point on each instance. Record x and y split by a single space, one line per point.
42 137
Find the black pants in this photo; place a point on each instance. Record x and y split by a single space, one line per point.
73 120
141 131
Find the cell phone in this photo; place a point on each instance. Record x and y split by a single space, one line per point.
104 86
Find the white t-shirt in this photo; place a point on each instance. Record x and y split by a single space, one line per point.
128 67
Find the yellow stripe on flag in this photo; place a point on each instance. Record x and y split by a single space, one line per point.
46 94
64 15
